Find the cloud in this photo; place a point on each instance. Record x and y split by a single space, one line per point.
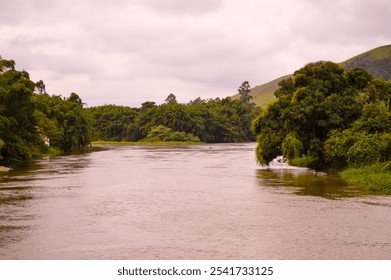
344 21
126 52
181 7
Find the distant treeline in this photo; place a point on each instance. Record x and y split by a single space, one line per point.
212 121
34 123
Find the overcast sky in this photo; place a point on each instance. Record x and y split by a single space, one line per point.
126 52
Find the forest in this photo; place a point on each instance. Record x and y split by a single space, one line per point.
212 121
34 123
325 117
30 119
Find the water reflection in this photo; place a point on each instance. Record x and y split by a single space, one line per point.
307 182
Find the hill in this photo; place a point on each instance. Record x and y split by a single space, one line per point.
376 61
264 94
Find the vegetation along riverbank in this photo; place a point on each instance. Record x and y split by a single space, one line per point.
324 116
34 123
375 178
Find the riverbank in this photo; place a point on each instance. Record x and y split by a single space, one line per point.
141 143
374 178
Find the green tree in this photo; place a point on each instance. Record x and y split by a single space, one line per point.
375 118
291 147
327 116
161 133
40 87
113 123
214 121
76 135
197 101
365 150
148 105
171 99
366 142
316 100
63 121
244 92
17 122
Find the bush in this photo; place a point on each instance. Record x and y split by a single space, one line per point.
305 161
385 147
365 151
386 166
161 133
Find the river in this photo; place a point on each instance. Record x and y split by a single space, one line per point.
185 202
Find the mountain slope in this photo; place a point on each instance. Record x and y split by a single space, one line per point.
264 94
376 61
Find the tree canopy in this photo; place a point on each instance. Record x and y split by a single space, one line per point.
325 116
212 121
33 123
30 119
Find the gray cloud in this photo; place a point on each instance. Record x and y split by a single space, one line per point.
344 21
182 7
126 52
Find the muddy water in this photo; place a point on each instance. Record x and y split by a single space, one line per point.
185 202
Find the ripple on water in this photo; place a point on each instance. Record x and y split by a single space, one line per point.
185 202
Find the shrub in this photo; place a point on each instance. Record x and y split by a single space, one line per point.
365 151
161 133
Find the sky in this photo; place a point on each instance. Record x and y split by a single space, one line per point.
126 52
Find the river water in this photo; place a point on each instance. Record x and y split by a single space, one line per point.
185 202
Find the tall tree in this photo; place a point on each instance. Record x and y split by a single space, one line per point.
17 122
171 99
244 91
40 87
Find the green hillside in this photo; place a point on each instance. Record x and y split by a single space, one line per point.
264 94
376 61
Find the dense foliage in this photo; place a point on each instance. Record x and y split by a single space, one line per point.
33 123
213 121
62 121
326 117
30 119
161 133
112 123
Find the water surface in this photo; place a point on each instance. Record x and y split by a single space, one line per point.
185 202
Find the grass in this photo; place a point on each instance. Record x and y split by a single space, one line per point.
376 54
375 178
50 152
382 52
124 143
